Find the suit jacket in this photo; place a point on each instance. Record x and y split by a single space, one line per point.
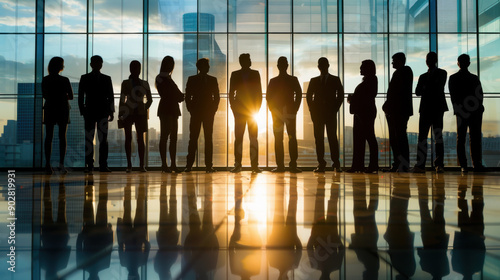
325 98
399 98
95 95
170 96
56 90
466 93
431 88
245 91
363 100
132 98
284 93
202 94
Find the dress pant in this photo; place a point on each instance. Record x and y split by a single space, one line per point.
168 128
473 122
280 119
426 121
398 140
330 122
91 123
364 131
197 120
240 122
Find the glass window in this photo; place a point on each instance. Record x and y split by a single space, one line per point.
17 16
73 49
409 16
214 47
247 15
360 16
457 16
161 46
488 15
118 16
65 16
279 15
168 15
217 9
315 16
489 44
17 62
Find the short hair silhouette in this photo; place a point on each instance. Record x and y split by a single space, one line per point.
202 62
323 60
135 67
463 60
431 58
282 63
56 64
370 68
399 56
96 59
167 64
245 60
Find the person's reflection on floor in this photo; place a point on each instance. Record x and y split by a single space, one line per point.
433 255
133 243
324 247
167 235
398 235
365 237
245 242
201 247
95 241
55 252
284 248
468 254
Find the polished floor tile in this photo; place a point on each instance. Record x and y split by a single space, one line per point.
251 226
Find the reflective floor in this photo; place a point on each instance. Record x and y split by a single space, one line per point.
246 226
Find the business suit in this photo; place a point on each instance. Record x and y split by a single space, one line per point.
96 104
245 98
398 108
467 99
284 96
324 97
202 101
430 88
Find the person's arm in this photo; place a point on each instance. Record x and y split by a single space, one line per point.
81 95
270 95
69 89
420 89
110 99
298 94
122 110
216 95
340 95
189 93
149 97
232 88
259 91
309 95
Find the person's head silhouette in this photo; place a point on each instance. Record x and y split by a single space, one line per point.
463 61
431 59
245 61
203 65
96 62
398 60
167 65
323 65
368 68
56 65
282 64
135 68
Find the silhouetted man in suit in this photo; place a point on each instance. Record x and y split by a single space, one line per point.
245 98
283 97
202 101
97 106
324 97
398 108
430 88
467 99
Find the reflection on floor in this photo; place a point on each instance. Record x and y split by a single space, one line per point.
255 226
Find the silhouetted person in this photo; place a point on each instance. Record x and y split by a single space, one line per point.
467 98
56 90
95 241
398 235
97 106
398 108
133 243
433 255
364 110
430 88
324 247
469 250
324 97
133 110
167 235
284 248
365 237
54 235
283 98
168 112
245 98
201 247
202 101
245 242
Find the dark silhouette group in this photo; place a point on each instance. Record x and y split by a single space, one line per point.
325 96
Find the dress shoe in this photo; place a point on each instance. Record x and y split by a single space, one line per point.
165 169
419 170
63 170
278 170
337 169
49 170
188 169
210 170
104 169
142 169
175 169
236 169
88 169
371 170
464 170
439 169
256 170
319 169
353 170
128 170
295 170
480 168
